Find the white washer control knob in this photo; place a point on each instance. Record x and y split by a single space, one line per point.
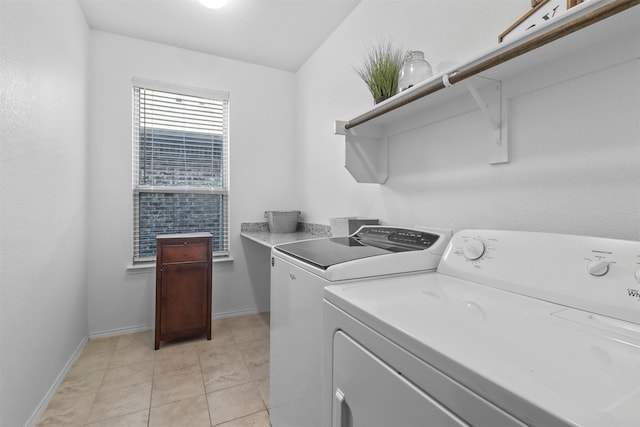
473 250
599 267
638 275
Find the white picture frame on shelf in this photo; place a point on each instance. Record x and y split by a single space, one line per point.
543 11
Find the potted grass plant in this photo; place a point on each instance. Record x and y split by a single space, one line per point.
381 69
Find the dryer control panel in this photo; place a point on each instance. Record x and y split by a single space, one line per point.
590 273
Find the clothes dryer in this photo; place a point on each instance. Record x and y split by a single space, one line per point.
515 328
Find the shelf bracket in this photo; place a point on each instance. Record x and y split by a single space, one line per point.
491 106
493 121
366 154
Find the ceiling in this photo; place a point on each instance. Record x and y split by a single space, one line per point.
281 34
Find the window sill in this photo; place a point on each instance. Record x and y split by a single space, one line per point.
145 266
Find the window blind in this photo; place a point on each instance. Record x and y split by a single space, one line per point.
180 165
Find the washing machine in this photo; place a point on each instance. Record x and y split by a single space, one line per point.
514 329
299 273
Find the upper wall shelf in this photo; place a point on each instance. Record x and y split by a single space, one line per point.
577 29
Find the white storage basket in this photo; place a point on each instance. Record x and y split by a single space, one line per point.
282 221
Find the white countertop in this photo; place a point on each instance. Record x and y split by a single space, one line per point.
270 240
259 233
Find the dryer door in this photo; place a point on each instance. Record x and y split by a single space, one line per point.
368 393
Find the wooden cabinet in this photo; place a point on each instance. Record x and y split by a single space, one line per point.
183 286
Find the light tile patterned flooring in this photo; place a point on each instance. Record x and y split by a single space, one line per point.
123 381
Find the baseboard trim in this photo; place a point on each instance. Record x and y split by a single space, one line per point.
56 384
144 328
236 313
120 331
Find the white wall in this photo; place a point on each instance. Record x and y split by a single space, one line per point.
573 131
261 139
43 291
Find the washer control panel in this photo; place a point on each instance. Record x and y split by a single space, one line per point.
594 274
410 238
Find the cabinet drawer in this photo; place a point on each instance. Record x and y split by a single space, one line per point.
185 252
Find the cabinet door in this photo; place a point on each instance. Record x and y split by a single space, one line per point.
184 298
368 393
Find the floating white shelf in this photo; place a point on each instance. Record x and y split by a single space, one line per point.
581 27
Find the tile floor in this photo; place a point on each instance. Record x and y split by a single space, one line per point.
122 381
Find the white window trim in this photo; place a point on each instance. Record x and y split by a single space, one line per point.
184 90
221 256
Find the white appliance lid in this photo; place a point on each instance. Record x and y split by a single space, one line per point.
368 241
323 253
515 351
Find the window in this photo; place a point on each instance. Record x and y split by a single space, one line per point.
180 166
